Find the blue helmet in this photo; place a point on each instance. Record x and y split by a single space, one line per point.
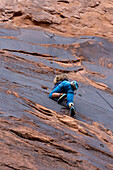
74 84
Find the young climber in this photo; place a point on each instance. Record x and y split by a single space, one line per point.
62 85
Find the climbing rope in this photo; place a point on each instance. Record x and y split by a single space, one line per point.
52 37
51 49
90 84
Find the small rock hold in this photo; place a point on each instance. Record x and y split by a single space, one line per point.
44 87
102 145
80 95
94 4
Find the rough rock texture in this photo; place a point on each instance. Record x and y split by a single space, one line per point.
36 132
70 17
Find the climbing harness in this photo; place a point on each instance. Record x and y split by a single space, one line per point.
52 37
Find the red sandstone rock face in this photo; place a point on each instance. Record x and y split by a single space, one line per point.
36 132
67 17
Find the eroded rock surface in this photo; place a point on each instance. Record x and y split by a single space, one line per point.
67 17
36 132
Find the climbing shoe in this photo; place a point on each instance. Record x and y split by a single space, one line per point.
61 98
72 111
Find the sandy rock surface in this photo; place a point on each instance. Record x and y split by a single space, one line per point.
61 16
35 131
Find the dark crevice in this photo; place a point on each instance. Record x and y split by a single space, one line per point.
9 166
38 23
80 69
27 136
88 147
64 149
61 159
17 14
67 2
95 5
42 23
31 53
42 110
46 23
62 16
68 61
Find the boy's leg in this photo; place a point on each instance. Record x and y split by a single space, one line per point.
72 110
70 103
61 98
55 93
70 97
